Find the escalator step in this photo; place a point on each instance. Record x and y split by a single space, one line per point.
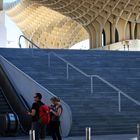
4 107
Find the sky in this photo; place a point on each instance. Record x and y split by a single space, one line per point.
84 45
12 30
13 33
7 1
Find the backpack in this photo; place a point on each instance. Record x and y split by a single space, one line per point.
44 114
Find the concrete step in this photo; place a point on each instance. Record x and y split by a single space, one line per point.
100 109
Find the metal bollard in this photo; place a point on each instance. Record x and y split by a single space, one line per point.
30 135
88 133
138 132
33 134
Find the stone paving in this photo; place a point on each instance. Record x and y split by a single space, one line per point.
101 137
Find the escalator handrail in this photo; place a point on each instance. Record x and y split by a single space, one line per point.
19 96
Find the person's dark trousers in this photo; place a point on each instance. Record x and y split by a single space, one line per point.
40 130
55 130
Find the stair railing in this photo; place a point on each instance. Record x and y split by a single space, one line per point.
32 43
68 65
91 77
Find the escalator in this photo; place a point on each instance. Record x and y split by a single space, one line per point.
13 109
9 122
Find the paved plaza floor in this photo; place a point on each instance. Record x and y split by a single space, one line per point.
101 137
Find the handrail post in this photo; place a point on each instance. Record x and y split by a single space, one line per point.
49 60
19 45
67 69
32 50
91 84
138 132
119 101
19 42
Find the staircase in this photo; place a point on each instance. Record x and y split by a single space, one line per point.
98 110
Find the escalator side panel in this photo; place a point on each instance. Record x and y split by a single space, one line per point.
14 100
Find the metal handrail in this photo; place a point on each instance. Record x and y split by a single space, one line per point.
67 63
120 92
33 44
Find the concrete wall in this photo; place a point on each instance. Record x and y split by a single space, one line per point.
127 45
107 33
1 5
138 31
126 31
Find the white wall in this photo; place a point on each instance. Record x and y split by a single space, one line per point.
3 34
134 45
